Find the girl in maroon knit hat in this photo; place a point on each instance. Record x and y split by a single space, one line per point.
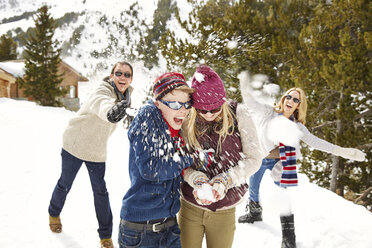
224 142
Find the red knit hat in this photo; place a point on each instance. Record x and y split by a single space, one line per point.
166 83
209 90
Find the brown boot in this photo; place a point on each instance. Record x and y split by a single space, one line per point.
55 224
106 243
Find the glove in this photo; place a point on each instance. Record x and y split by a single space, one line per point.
117 112
221 184
195 178
349 153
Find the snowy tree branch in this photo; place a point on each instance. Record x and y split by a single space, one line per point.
363 196
324 124
365 113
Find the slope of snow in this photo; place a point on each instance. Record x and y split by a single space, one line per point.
30 148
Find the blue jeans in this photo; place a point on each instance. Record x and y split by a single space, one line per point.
70 167
168 238
255 179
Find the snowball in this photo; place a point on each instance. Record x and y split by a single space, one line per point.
199 77
205 192
281 129
232 44
176 157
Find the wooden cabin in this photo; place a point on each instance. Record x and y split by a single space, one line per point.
10 70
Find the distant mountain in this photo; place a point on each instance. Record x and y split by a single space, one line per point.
92 34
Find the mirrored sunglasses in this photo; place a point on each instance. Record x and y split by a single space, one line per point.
213 111
126 74
175 105
289 97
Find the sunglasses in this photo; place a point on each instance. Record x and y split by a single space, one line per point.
213 111
126 74
289 97
175 105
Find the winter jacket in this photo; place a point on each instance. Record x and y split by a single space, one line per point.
154 168
87 134
239 157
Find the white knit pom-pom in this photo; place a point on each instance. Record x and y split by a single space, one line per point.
199 77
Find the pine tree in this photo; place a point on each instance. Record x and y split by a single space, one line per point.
148 46
42 55
338 41
8 48
233 36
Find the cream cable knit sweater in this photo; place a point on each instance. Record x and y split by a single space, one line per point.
87 134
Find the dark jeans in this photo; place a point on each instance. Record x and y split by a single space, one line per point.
255 179
70 167
167 238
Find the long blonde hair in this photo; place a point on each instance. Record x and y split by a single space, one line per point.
193 131
300 113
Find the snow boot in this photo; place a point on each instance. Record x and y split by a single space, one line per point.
107 243
288 231
55 224
254 210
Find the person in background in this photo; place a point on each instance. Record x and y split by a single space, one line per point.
226 152
85 140
157 158
281 158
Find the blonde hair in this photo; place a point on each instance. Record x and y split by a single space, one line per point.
300 113
193 130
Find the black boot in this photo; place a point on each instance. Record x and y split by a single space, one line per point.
254 213
288 231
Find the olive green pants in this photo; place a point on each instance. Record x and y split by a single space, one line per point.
218 227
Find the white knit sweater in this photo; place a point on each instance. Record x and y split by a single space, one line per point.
87 134
264 113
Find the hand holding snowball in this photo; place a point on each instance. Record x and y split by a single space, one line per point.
205 194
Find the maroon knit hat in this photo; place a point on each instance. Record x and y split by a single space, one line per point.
166 83
209 90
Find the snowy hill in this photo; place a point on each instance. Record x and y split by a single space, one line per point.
94 35
30 145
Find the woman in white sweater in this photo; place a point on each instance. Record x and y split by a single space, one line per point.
281 158
85 141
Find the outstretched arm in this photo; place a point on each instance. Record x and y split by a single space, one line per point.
322 145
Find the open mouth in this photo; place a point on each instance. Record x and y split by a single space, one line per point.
122 83
289 106
178 120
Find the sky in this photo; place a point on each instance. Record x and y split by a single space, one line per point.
30 145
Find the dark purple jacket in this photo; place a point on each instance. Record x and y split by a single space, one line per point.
225 158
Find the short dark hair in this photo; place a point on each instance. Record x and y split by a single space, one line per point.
122 63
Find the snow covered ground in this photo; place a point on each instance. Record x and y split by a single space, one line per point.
30 145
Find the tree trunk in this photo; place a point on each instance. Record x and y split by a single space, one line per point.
335 162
